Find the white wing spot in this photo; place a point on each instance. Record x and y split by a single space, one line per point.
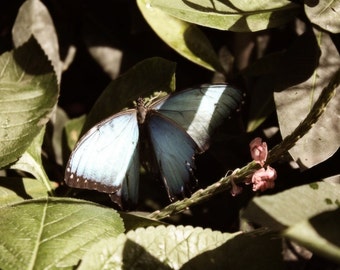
204 106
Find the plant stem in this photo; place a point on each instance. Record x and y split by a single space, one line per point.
241 174
203 194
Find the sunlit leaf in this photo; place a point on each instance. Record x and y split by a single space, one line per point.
294 103
185 248
28 94
34 19
324 14
235 15
293 205
52 233
187 39
13 190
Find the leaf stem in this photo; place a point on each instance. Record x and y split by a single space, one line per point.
241 174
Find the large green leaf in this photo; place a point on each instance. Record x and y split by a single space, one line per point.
187 39
294 205
34 19
146 77
324 14
234 15
52 233
319 234
28 95
294 103
185 248
15 189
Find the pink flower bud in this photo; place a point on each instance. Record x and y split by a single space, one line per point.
264 179
258 150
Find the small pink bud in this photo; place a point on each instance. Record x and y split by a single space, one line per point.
258 150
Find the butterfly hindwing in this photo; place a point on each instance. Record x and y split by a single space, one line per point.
130 184
174 152
106 155
200 110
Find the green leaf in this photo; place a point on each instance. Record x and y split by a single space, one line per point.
13 190
146 77
319 234
294 103
185 248
324 14
185 38
28 95
293 205
34 19
234 15
31 161
153 248
52 233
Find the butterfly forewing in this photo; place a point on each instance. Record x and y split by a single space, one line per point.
174 152
200 110
103 155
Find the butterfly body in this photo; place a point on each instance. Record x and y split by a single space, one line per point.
170 133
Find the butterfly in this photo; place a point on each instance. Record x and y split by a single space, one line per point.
169 132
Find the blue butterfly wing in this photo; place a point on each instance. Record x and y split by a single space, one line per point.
174 152
200 110
130 184
106 158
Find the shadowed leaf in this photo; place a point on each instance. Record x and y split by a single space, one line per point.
235 15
